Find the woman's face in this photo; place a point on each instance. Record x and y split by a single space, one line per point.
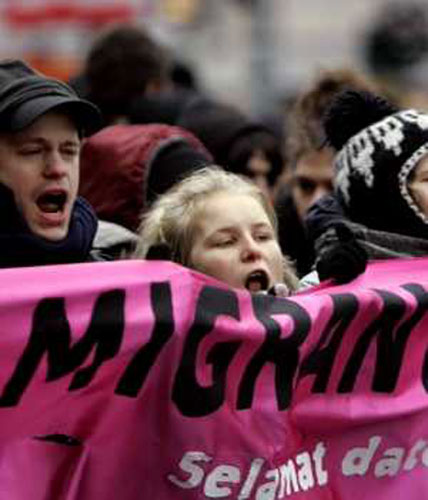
418 185
234 241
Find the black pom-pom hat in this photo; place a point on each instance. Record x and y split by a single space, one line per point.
378 149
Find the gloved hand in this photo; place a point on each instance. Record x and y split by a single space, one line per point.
344 260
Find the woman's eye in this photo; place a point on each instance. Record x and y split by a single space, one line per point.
223 243
264 236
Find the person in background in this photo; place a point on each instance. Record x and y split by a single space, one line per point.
42 122
238 144
124 64
222 225
309 162
379 209
167 105
184 76
124 168
394 49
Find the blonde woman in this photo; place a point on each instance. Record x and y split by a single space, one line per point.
222 225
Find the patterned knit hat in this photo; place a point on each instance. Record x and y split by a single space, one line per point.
378 150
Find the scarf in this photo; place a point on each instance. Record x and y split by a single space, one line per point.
19 247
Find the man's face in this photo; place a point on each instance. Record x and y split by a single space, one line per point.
40 164
312 178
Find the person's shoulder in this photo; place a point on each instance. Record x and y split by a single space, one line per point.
112 242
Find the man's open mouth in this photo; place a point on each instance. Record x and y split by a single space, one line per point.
52 203
257 281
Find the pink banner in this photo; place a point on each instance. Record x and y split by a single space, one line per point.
134 380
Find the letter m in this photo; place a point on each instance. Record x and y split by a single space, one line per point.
51 335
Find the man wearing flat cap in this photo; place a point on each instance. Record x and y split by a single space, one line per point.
42 122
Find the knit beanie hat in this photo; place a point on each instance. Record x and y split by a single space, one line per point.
378 148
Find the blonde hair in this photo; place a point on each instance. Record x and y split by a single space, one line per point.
171 219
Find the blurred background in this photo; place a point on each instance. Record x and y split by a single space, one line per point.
254 53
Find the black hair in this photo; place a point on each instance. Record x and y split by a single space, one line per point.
246 144
120 65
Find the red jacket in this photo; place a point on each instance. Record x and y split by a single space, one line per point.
117 161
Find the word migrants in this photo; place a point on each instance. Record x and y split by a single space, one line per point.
279 329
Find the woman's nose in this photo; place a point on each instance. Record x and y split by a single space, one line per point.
250 249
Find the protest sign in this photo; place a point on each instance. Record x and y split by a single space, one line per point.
137 380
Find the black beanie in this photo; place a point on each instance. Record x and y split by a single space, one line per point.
379 147
171 163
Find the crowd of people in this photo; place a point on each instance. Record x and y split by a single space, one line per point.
126 162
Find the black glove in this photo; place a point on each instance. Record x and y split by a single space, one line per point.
344 260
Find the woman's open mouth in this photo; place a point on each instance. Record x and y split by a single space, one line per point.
257 281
